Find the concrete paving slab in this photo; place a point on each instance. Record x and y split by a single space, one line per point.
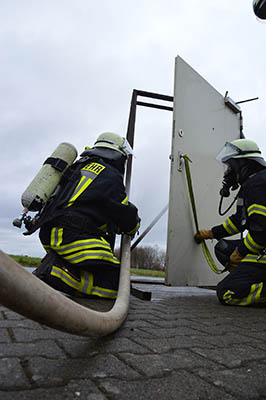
181 345
160 292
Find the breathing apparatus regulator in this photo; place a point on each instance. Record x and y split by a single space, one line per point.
45 182
235 155
229 182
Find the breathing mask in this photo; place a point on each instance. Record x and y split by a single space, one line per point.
229 181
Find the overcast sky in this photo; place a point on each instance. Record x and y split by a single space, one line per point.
68 69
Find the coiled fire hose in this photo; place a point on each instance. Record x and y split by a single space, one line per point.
205 249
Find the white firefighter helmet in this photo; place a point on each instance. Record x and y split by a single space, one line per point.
241 148
113 141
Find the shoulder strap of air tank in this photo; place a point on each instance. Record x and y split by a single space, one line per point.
56 163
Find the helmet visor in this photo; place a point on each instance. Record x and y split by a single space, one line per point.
126 148
228 151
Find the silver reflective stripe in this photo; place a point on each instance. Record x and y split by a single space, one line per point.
78 246
255 208
88 174
251 245
85 287
56 238
104 293
253 296
86 255
64 277
230 227
254 258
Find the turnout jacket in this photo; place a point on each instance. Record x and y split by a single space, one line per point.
251 216
90 207
99 198
95 203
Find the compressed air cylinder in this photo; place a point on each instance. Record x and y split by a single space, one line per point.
46 180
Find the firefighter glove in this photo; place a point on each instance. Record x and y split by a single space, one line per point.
203 234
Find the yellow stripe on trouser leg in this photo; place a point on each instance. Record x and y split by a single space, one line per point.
99 255
103 292
253 297
65 277
83 244
77 252
86 283
83 286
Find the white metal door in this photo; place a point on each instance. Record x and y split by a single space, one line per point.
201 125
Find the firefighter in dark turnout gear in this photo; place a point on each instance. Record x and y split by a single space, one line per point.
78 236
246 257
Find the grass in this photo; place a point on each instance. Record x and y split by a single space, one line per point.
147 272
33 262
26 261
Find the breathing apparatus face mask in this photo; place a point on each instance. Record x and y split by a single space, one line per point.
229 181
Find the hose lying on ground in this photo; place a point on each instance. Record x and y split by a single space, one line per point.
27 295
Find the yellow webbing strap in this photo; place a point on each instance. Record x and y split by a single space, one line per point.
205 249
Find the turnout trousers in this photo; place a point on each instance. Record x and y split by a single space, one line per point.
78 263
246 284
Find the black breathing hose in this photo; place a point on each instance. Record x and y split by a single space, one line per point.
230 206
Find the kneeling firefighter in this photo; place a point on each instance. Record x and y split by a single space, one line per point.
78 223
246 257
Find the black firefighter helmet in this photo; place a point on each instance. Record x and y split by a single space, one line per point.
259 7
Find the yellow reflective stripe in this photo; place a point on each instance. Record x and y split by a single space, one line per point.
134 230
56 237
82 245
253 296
125 201
81 190
230 227
253 258
227 296
251 244
65 277
52 237
89 173
103 228
85 286
86 282
257 209
102 292
91 255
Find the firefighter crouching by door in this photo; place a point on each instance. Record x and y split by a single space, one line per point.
79 226
246 258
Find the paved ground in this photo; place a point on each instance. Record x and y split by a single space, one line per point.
181 345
